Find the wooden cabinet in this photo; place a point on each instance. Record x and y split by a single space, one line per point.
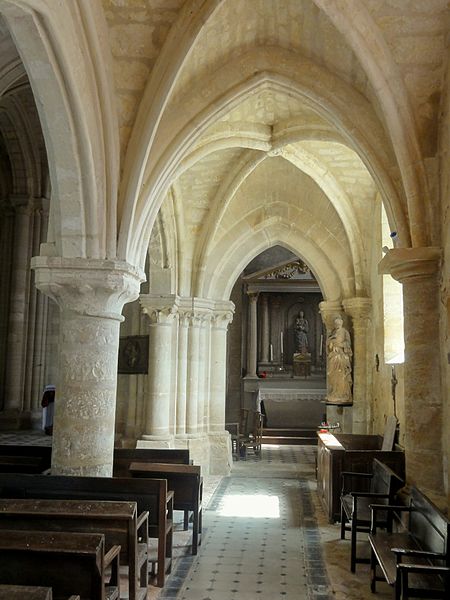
349 452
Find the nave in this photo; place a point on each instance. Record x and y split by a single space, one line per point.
266 536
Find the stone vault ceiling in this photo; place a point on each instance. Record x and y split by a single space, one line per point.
264 153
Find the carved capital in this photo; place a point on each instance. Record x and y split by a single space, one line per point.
359 309
411 264
89 287
161 310
329 310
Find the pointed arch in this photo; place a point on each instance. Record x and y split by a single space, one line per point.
359 29
314 86
77 115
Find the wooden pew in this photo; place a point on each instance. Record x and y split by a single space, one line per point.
28 592
41 453
20 464
118 521
151 496
415 561
123 457
187 484
66 562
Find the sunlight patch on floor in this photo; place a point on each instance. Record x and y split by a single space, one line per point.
256 506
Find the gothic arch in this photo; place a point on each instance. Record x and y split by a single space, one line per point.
77 115
236 249
361 32
362 131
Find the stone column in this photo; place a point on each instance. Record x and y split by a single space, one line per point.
252 349
222 317
183 325
360 310
265 328
220 446
18 313
192 373
275 327
203 372
91 294
418 270
161 313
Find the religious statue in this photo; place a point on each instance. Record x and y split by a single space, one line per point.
301 333
339 368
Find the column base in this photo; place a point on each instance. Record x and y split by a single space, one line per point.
210 451
155 441
220 455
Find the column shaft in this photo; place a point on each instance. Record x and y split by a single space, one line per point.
17 330
218 371
182 375
265 328
91 294
252 349
418 270
192 375
359 310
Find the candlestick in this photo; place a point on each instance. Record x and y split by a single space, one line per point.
321 345
281 342
271 353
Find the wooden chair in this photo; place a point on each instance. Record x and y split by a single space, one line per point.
235 435
254 439
359 491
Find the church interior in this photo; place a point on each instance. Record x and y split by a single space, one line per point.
212 208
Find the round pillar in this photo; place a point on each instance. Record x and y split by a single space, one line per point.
192 374
91 294
360 310
17 333
264 328
418 271
252 348
219 328
183 325
161 319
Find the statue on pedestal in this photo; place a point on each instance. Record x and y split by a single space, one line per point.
339 368
301 333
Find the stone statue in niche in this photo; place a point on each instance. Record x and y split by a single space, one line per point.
339 366
301 333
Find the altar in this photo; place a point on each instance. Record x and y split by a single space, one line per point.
287 403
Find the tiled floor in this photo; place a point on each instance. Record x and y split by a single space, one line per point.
265 536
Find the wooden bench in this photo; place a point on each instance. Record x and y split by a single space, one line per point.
416 560
20 464
28 592
38 454
359 491
187 484
66 562
123 457
151 496
118 521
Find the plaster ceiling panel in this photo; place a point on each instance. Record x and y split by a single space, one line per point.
416 33
297 25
